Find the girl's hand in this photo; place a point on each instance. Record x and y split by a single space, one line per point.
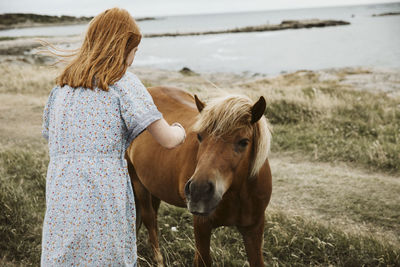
177 124
169 136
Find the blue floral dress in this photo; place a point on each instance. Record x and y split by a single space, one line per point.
90 209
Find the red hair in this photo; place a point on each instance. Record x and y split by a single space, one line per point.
101 60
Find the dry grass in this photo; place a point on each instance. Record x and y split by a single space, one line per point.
320 214
21 119
330 121
351 198
23 78
301 88
310 221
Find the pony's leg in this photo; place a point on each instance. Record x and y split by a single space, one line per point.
149 217
135 183
153 231
202 235
147 205
253 240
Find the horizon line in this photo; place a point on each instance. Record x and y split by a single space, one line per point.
211 13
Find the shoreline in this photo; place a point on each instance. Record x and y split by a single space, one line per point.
368 78
284 25
31 20
27 20
37 25
386 14
14 45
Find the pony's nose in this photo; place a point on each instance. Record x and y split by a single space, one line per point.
199 190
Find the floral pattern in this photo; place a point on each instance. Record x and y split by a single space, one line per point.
90 208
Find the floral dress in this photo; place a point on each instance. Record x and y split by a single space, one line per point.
90 208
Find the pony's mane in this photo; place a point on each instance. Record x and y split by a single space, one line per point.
228 114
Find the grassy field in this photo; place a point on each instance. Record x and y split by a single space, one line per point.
335 164
332 122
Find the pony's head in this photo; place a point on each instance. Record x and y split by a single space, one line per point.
234 142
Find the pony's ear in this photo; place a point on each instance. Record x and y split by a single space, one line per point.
200 105
258 109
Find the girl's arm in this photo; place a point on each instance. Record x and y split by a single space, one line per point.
169 136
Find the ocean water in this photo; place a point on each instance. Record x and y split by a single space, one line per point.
367 41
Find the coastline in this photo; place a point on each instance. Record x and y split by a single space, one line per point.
36 25
386 14
386 80
284 25
26 20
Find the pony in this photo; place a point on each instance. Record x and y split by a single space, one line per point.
221 172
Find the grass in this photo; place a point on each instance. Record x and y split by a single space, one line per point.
366 130
341 213
298 241
23 78
22 203
289 239
330 122
353 198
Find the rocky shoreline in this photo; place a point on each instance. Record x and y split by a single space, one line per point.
27 20
19 45
22 20
284 25
387 14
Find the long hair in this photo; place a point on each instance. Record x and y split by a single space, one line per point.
101 60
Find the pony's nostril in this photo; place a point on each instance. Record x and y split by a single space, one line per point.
210 188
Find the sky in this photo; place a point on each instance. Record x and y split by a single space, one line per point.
142 8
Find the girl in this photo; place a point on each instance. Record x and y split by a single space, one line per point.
91 117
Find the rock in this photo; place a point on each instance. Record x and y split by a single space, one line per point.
386 14
286 24
188 72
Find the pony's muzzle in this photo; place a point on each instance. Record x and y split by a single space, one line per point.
201 197
201 190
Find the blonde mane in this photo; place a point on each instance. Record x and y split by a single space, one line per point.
228 114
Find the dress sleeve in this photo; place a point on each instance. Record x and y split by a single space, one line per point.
46 114
137 107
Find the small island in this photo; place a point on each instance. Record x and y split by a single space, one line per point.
27 20
284 25
387 14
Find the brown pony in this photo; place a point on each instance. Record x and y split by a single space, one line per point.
221 173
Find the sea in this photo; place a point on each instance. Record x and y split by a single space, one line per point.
369 41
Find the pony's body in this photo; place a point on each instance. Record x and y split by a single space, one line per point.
161 174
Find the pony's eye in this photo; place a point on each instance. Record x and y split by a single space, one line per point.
244 142
199 137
